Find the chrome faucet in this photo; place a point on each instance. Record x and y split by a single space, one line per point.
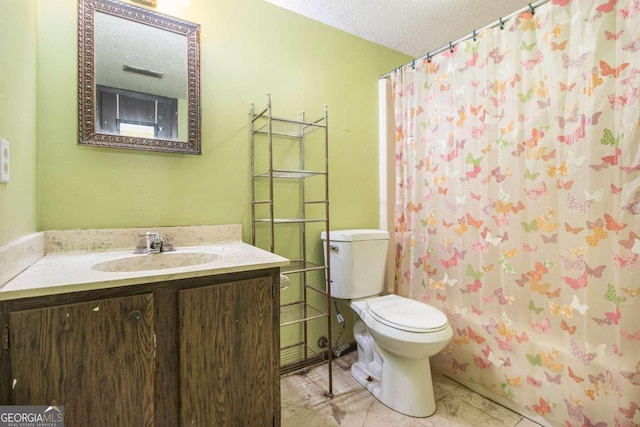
154 243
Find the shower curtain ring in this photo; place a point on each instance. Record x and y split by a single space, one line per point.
451 47
413 64
532 9
429 57
475 38
501 23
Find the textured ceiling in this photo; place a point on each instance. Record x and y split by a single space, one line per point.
413 27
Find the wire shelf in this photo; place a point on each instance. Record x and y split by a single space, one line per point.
289 220
290 174
300 266
299 312
288 128
299 356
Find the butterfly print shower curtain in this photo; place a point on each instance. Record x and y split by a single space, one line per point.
518 208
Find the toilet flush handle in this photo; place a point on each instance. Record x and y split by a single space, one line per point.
334 248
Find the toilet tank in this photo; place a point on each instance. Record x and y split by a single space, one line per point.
358 260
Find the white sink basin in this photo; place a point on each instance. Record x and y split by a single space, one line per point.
159 261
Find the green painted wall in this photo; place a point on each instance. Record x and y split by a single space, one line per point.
248 48
18 28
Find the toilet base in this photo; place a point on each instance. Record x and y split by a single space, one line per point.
362 375
406 385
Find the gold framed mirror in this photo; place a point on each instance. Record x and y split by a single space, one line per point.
138 79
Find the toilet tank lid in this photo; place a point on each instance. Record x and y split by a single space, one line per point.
355 234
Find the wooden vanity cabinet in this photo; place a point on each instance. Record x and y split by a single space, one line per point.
95 358
190 352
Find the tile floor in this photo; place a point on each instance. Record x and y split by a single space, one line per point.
303 403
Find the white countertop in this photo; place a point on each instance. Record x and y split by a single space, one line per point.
57 273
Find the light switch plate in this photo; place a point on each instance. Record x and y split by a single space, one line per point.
4 161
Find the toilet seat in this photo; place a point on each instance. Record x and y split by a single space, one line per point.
407 315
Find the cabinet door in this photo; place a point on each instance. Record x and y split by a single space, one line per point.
94 358
226 354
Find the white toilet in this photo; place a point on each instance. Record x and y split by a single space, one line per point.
395 335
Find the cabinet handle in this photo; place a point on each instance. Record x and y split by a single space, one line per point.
135 315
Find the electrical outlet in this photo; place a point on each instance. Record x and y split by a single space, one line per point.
4 160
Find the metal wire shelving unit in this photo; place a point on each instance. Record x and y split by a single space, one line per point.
268 173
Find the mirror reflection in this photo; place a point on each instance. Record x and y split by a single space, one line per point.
141 79
138 80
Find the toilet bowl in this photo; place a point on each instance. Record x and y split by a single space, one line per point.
395 335
395 338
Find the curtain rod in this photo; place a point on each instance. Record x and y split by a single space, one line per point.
500 22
